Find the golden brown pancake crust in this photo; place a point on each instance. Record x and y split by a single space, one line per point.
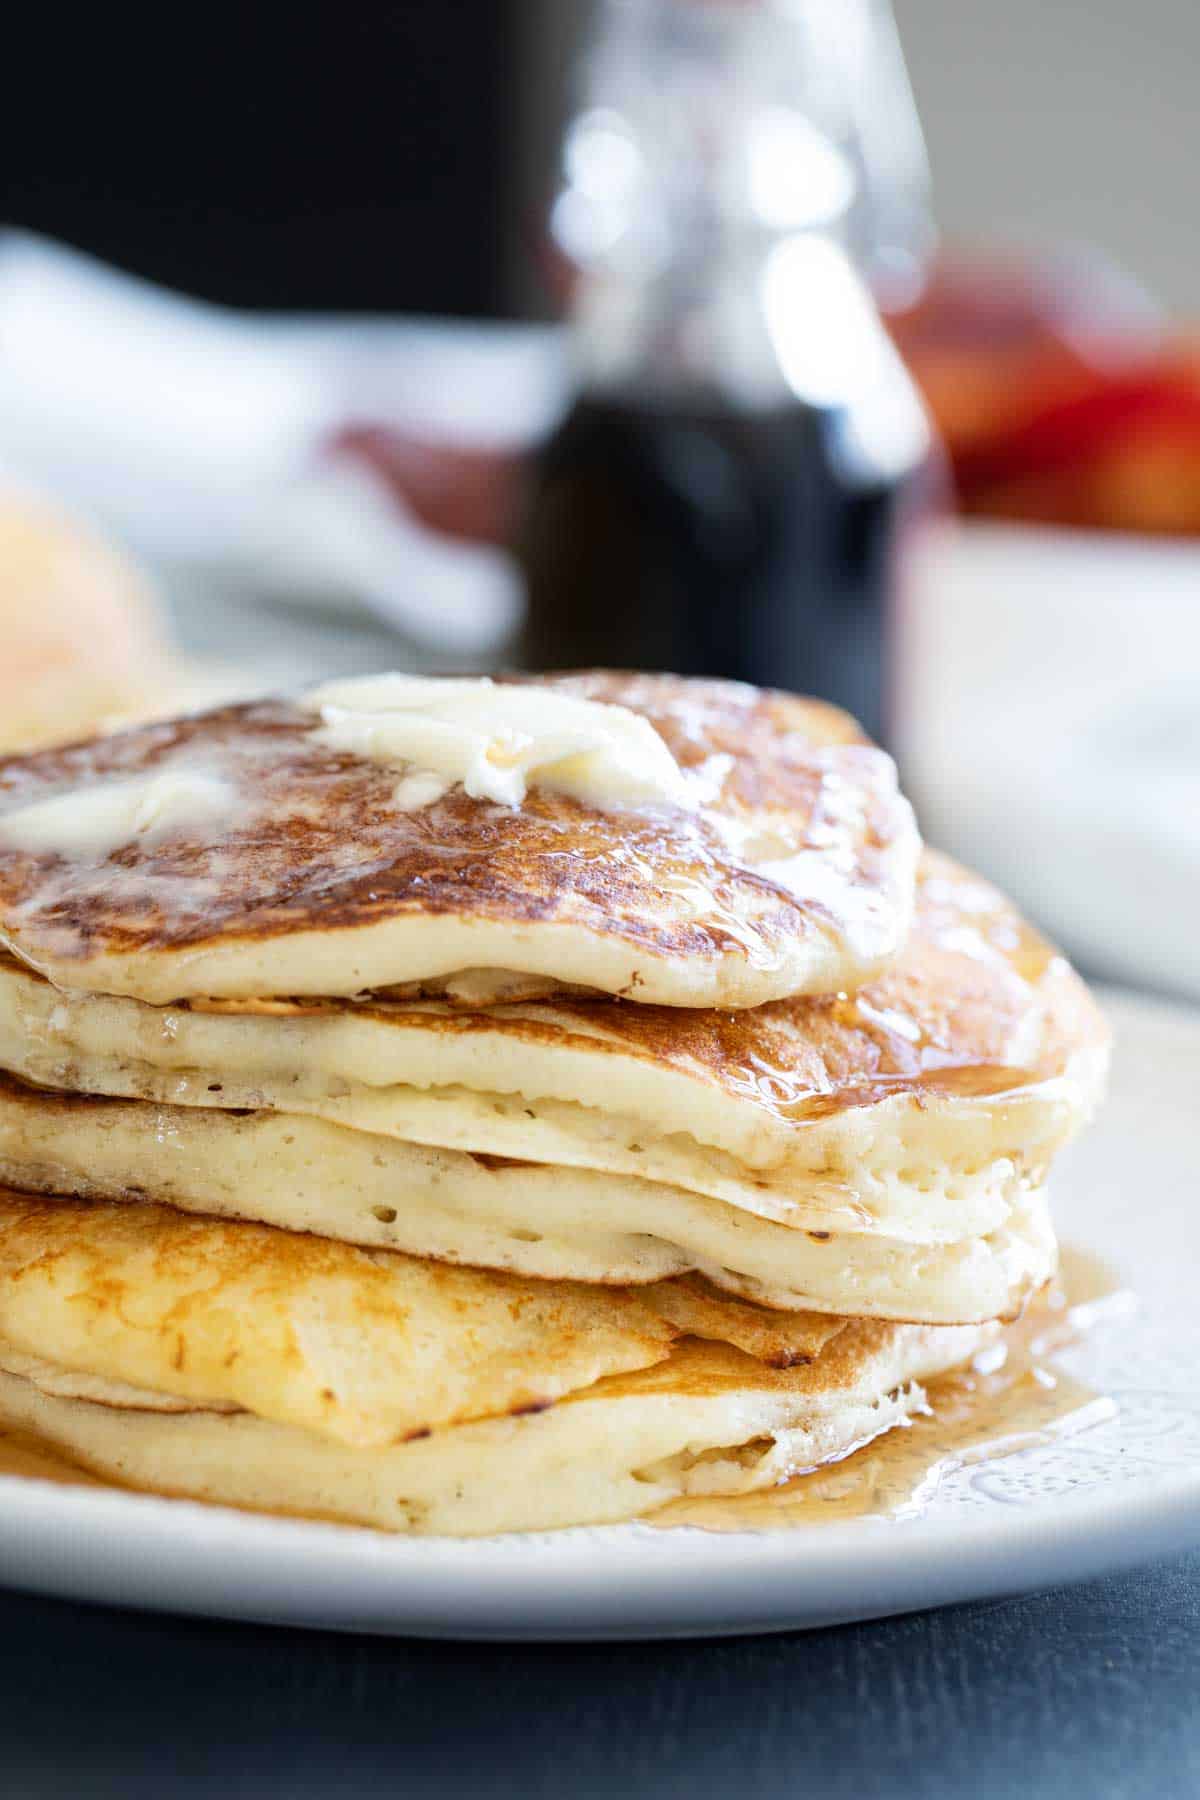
976 1004
346 1339
319 844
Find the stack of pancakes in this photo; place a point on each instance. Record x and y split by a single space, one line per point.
400 1156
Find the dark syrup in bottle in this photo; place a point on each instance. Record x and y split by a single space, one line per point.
713 541
732 489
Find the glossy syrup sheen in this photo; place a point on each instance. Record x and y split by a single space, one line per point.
976 1004
1011 1398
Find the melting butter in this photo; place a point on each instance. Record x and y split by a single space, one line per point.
498 740
89 823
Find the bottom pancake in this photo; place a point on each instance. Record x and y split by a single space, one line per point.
709 1421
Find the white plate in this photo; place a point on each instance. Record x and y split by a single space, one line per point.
1120 1492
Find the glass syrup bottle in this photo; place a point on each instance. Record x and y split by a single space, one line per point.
731 489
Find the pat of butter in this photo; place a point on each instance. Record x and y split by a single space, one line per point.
89 823
498 740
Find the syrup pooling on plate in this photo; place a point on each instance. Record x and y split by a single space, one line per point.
1011 1397
974 1417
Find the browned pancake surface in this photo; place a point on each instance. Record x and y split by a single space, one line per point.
372 1346
976 1003
798 836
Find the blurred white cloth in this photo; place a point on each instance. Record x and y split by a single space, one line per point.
201 436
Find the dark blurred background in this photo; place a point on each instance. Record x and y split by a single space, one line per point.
320 156
390 154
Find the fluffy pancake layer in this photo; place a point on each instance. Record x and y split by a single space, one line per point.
790 870
880 1155
264 1369
562 1223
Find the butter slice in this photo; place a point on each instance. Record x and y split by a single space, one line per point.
86 824
498 740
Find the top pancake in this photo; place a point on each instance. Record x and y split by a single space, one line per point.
791 872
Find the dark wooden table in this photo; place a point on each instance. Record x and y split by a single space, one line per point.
1093 1692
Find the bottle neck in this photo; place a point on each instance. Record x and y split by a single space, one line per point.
704 324
711 180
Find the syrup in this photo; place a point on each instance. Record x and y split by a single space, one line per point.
1009 1398
713 541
